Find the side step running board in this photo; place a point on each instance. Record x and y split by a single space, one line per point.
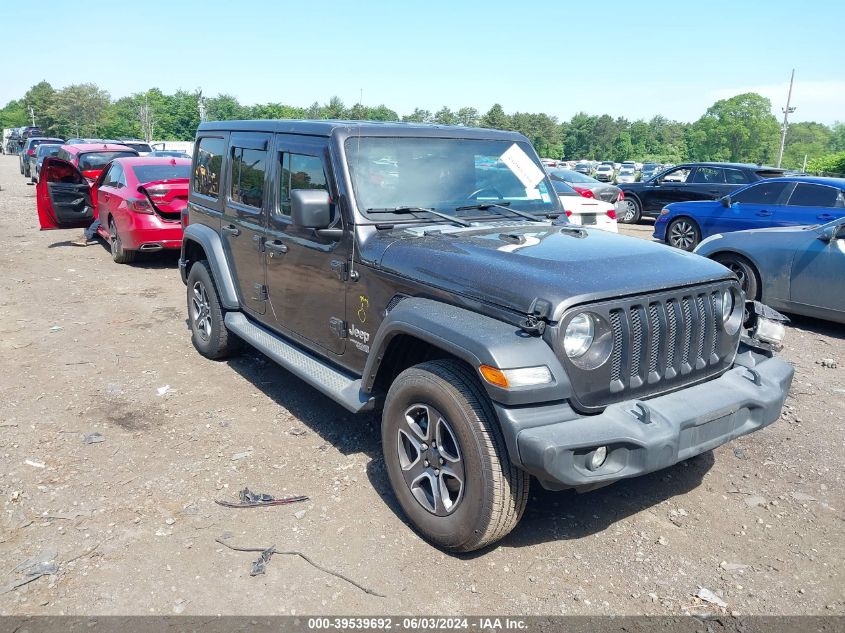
341 388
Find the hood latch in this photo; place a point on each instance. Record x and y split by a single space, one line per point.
537 319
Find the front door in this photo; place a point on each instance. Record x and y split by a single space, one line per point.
758 206
818 271
63 196
672 187
306 270
242 227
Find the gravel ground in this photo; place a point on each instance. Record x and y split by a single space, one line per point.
128 525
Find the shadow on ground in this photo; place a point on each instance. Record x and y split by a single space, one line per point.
550 516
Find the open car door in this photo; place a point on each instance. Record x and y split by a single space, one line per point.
63 196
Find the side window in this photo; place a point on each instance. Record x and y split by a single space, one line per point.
735 177
63 154
299 171
676 175
763 193
208 167
248 167
708 175
807 195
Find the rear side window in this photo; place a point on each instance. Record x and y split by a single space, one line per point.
299 171
807 195
248 167
709 175
764 193
208 167
736 177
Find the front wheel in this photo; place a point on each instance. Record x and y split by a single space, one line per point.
446 458
683 233
744 271
633 211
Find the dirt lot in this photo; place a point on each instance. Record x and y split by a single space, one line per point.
89 346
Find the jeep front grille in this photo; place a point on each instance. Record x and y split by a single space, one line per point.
660 343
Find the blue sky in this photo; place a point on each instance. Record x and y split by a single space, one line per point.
633 59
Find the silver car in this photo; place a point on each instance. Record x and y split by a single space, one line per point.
799 269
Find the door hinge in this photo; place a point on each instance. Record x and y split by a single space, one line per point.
338 327
259 292
339 269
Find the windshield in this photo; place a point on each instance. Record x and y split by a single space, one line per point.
152 173
446 173
97 160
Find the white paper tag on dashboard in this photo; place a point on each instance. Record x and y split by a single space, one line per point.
522 166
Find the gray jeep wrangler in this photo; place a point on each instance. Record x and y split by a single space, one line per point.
430 272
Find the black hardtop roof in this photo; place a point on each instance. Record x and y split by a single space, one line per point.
350 128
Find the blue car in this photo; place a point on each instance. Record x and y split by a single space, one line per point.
790 201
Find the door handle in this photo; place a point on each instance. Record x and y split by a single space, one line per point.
275 247
824 216
231 230
764 214
716 191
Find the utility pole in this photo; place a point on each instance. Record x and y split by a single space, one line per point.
32 114
786 112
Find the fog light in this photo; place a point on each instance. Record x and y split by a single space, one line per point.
598 457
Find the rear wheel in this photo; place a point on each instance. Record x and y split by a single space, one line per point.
744 270
683 233
119 254
446 458
205 313
632 211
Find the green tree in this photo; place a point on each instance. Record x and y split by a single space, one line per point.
444 116
79 109
739 129
419 116
496 119
40 98
467 116
829 165
812 140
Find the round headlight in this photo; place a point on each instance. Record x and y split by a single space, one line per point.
727 304
579 335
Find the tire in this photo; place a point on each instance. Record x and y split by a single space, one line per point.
119 254
205 315
745 271
491 499
683 233
634 211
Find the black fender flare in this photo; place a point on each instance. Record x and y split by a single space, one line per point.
209 240
477 340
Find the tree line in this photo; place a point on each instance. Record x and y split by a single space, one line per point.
738 129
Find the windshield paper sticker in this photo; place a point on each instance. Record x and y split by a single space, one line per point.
522 166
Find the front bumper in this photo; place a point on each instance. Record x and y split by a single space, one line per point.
642 436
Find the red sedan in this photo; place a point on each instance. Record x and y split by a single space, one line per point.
139 202
91 158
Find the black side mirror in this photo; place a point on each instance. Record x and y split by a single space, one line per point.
310 208
726 202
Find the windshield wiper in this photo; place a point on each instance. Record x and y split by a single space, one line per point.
505 205
398 210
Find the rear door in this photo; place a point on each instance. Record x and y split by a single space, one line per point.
306 272
812 203
242 227
709 183
63 196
